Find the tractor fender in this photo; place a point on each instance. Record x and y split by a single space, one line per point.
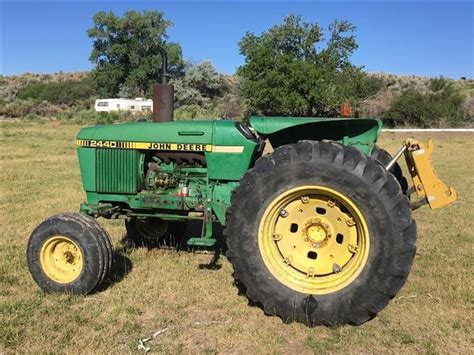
362 133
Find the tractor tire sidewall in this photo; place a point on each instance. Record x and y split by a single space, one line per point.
102 237
85 238
384 157
384 208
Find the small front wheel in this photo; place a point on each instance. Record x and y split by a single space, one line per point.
69 253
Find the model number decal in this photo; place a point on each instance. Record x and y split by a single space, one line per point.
103 144
183 147
179 147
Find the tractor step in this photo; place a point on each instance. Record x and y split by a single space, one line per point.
201 242
429 188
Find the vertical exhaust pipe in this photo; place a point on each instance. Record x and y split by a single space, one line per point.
163 94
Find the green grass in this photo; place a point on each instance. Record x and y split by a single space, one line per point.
164 288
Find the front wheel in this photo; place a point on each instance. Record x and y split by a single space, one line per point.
70 253
320 234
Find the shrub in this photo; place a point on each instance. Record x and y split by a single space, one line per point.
441 106
232 106
65 92
187 112
21 108
200 85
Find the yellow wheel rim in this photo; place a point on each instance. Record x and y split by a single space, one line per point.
313 239
61 259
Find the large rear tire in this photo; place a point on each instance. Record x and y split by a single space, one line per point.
70 253
319 233
384 157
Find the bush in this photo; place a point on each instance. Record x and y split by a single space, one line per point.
187 112
65 92
90 116
232 106
21 108
200 85
441 106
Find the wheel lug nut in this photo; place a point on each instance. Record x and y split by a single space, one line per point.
276 237
331 203
283 213
336 268
352 248
350 222
288 260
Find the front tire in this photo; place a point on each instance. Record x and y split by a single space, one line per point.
69 253
320 234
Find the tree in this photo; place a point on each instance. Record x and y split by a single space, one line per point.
288 72
199 85
125 52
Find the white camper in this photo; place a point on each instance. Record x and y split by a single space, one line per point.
137 105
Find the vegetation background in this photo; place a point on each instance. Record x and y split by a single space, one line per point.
292 69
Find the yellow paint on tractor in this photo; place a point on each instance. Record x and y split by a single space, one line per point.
61 259
175 147
425 181
314 239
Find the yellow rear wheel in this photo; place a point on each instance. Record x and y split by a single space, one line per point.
61 259
320 233
314 239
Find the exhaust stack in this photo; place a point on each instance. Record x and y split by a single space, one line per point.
163 94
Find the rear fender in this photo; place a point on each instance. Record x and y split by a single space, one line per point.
362 133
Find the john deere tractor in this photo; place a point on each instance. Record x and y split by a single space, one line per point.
318 218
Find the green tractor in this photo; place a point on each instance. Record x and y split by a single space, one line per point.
318 219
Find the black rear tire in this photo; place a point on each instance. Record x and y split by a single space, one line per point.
92 254
375 193
384 157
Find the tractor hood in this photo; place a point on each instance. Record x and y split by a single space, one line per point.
176 132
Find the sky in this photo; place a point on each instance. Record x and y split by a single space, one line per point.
404 38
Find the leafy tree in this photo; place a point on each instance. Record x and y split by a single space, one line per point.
125 51
199 85
288 71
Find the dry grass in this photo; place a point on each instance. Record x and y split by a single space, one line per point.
40 177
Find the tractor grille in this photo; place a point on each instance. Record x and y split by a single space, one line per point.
117 170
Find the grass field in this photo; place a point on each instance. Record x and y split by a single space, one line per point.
197 300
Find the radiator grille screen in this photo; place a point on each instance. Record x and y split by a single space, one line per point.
117 170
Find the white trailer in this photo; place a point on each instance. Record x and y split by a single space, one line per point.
136 105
